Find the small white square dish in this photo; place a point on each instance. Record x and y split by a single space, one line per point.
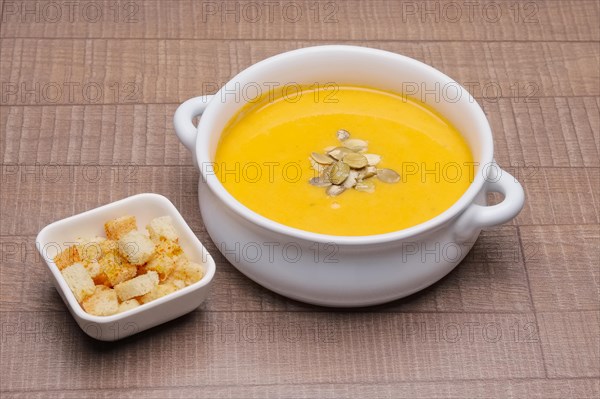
61 234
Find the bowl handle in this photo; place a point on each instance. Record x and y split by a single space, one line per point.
183 120
478 216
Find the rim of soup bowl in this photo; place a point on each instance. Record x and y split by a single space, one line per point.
211 114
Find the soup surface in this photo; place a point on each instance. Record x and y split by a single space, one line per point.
263 159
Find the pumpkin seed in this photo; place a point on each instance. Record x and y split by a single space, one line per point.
388 176
335 190
348 166
351 179
366 186
373 159
321 158
367 172
355 145
338 153
316 166
339 172
320 181
355 160
342 135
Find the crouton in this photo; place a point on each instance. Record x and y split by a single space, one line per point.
130 304
193 271
162 227
90 249
79 281
136 247
93 268
162 264
101 279
175 282
67 257
158 292
137 286
109 257
116 269
103 302
169 248
128 268
116 228
141 269
187 271
109 246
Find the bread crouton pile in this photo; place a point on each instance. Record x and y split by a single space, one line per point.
127 268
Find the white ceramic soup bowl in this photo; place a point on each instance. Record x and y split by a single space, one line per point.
346 271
